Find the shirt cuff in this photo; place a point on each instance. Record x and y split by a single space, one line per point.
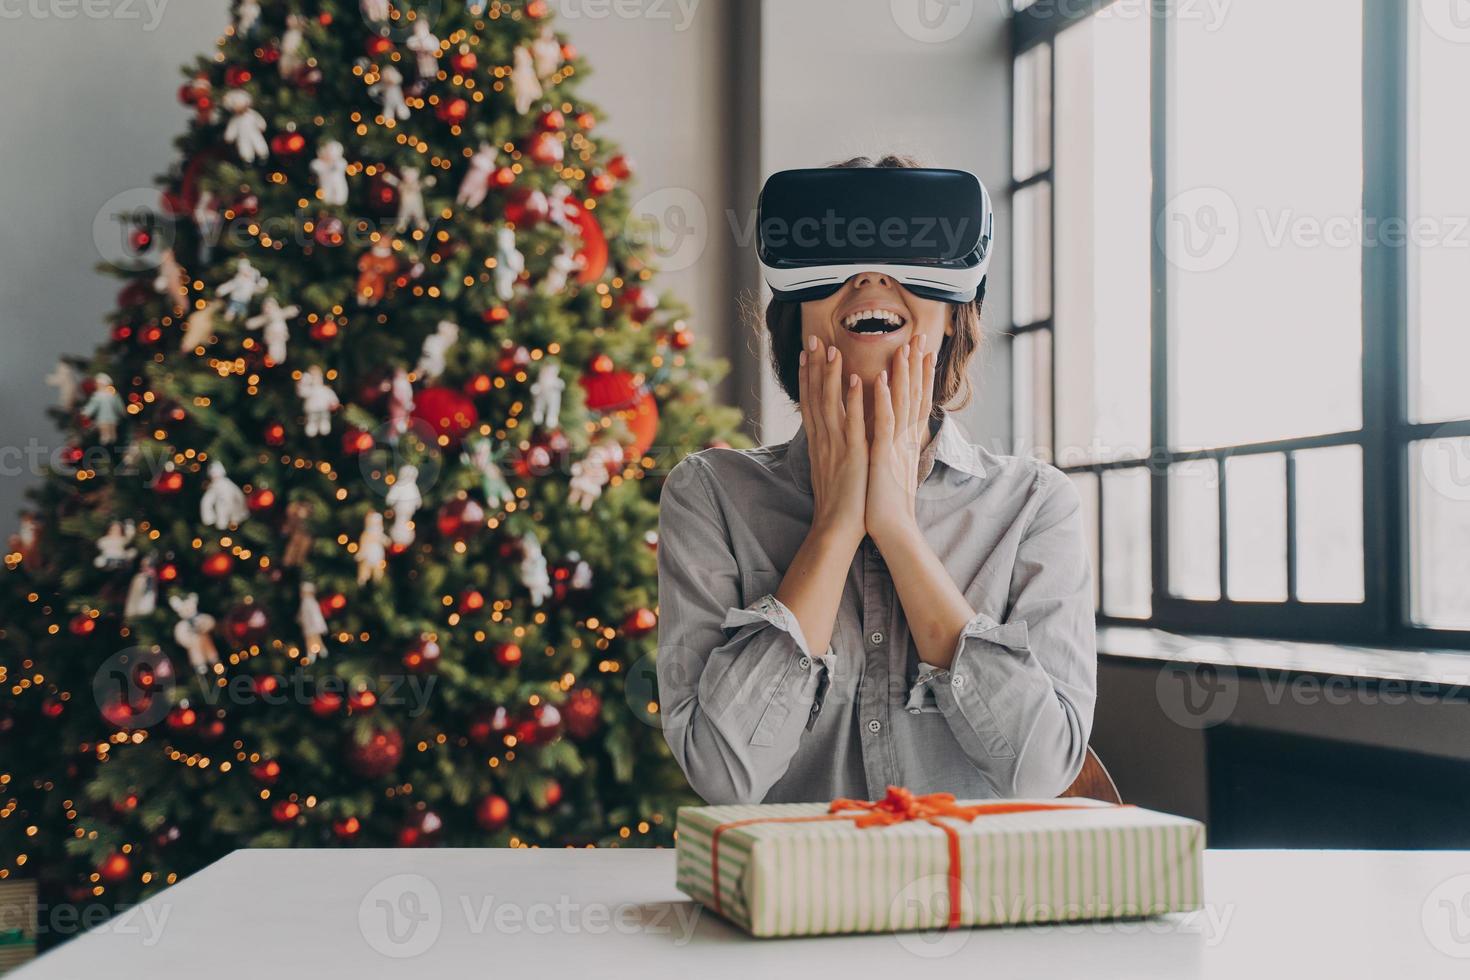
772 610
959 688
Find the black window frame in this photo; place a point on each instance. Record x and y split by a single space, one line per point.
1387 435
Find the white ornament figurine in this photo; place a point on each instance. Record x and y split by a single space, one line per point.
313 623
142 597
292 41
388 90
534 575
523 80
223 502
330 168
546 49
104 408
318 400
375 11
509 263
273 317
193 632
242 289
405 499
481 454
426 46
400 404
546 395
563 264
589 476
64 379
372 549
115 549
171 281
410 186
476 184
246 128
247 16
582 573
200 326
208 220
436 348
561 208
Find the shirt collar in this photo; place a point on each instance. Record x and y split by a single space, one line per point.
948 444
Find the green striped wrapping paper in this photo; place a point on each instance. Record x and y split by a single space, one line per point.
804 879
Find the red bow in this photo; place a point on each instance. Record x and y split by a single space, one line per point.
899 805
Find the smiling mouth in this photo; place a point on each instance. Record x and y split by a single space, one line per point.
874 321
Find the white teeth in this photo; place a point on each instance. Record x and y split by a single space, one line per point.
888 316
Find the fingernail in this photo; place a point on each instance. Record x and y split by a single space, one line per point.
923 343
802 358
831 354
811 342
853 383
883 377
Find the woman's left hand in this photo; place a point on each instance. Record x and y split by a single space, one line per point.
902 400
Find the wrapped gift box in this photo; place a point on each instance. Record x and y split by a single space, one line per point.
797 869
17 923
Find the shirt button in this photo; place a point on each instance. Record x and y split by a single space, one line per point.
805 663
877 637
875 726
958 680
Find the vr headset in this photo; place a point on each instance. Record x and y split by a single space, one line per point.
931 230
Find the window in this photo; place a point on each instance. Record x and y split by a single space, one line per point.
1240 277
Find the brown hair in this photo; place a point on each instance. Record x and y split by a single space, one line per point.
952 387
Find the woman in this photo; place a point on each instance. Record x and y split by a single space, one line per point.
879 600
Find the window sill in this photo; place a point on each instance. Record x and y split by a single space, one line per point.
1449 669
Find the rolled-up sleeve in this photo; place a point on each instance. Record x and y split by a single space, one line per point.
738 684
1019 695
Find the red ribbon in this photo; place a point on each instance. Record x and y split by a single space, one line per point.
898 806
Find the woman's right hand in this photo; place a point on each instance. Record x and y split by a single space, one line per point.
837 441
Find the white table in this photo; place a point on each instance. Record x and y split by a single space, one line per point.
527 915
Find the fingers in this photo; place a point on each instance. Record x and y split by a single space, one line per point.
815 375
882 412
857 436
926 382
832 394
902 407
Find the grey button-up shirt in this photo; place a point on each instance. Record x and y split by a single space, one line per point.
754 715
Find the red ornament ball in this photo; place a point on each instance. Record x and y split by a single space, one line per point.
347 828
115 868
266 773
492 813
641 621
448 411
260 499
288 145
551 120
421 830
356 441
377 46
326 704
275 434
247 625
423 656
508 654
83 624
378 756
453 111
464 61
218 565
547 149
169 482
620 167
237 75
461 519
583 713
330 232
286 811
550 796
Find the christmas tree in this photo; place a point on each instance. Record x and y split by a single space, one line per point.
352 542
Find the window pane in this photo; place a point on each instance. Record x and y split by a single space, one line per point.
1329 524
1440 204
1439 490
1194 530
1031 388
1127 544
1086 484
1255 527
1266 186
1103 189
1032 135
1032 253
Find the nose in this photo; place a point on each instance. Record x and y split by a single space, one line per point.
870 277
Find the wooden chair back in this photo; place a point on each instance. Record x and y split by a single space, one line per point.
1093 782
